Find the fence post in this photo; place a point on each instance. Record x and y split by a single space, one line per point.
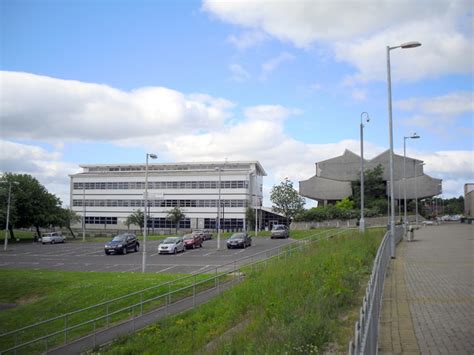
94 339
65 329
194 292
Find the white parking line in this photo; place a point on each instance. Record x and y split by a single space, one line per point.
168 268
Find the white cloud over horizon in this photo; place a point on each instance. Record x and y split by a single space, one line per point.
64 108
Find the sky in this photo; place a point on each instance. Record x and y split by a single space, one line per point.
281 82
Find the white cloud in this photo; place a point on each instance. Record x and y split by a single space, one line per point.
247 39
44 165
239 74
259 135
456 103
359 94
51 108
360 30
272 64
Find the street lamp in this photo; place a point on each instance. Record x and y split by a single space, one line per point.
389 89
413 136
219 211
367 119
83 211
254 173
10 183
416 192
145 221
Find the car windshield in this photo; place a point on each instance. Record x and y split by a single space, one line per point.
278 228
188 237
170 241
238 236
119 238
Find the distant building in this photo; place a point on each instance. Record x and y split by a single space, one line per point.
469 200
334 176
109 193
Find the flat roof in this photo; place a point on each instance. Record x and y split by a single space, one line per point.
179 166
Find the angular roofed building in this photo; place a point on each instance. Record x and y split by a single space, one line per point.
334 176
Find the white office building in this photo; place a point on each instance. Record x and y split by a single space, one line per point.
107 194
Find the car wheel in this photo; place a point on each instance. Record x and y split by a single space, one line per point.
43 243
124 250
107 253
52 242
175 250
136 248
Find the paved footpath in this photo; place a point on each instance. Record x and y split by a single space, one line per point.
428 302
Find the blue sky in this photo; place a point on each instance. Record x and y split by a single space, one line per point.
279 82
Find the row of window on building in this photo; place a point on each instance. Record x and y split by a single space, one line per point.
159 203
160 185
209 223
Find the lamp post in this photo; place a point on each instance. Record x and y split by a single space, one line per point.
10 183
362 221
83 211
145 219
254 193
219 211
416 192
389 89
413 136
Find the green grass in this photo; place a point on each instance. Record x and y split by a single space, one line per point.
40 295
299 304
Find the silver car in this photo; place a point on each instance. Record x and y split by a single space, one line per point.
279 231
52 238
171 245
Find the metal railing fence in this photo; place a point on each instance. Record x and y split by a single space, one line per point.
366 328
65 328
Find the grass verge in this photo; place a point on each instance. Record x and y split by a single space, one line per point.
32 296
298 304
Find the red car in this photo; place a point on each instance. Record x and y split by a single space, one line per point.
192 241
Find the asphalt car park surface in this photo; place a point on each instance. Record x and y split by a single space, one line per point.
78 256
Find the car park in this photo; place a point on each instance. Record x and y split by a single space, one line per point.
171 245
279 231
122 244
239 240
192 241
52 238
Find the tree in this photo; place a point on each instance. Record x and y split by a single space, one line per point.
69 217
176 215
32 205
286 200
374 190
250 217
136 218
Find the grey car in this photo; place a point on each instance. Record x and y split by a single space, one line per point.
279 231
239 240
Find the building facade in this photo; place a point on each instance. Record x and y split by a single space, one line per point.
334 176
107 194
469 200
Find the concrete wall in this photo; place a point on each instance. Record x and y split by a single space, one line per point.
369 222
469 204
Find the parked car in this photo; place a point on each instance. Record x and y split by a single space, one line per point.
54 237
204 233
122 244
239 240
279 231
192 241
171 245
